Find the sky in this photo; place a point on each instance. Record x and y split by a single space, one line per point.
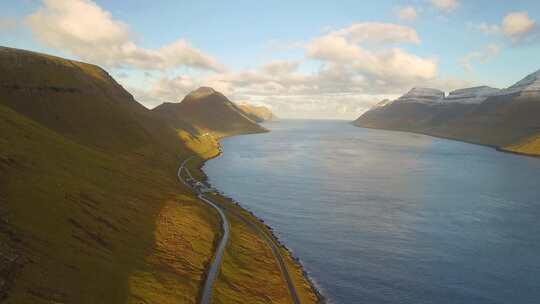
303 59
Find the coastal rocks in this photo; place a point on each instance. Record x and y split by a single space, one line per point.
475 95
422 95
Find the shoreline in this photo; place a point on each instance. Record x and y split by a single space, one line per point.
200 162
494 147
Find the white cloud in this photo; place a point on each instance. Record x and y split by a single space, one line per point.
377 33
517 24
355 70
83 29
445 5
486 28
390 65
7 24
407 13
518 27
279 67
482 56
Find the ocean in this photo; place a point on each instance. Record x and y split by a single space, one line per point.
391 217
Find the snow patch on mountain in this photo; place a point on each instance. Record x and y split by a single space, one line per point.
422 95
473 95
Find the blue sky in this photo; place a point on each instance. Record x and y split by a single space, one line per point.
461 43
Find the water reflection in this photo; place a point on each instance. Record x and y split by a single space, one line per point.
390 217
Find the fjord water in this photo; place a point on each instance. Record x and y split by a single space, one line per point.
390 217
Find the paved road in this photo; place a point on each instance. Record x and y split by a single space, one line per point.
214 267
213 270
275 251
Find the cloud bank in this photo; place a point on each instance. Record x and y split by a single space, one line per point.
357 66
341 73
83 29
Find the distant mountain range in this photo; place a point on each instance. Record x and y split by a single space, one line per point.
507 119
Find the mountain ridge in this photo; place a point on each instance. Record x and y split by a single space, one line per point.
506 120
208 111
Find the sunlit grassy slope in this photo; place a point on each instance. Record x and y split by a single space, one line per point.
249 267
92 227
529 146
90 209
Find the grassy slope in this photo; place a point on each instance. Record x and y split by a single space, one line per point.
80 101
89 203
500 122
529 146
95 228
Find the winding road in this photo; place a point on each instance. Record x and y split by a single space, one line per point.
213 270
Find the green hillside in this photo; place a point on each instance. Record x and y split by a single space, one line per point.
86 224
90 208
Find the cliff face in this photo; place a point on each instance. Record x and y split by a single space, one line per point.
482 115
257 113
208 111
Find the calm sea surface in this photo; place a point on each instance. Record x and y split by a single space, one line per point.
389 217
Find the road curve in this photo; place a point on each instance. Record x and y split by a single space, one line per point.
213 270
214 267
277 255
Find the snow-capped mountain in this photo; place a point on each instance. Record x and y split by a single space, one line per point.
473 95
422 95
528 85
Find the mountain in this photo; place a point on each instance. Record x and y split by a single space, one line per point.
529 86
475 95
423 96
208 111
506 119
90 207
86 174
80 101
257 113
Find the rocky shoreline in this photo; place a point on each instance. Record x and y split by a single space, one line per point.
316 289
